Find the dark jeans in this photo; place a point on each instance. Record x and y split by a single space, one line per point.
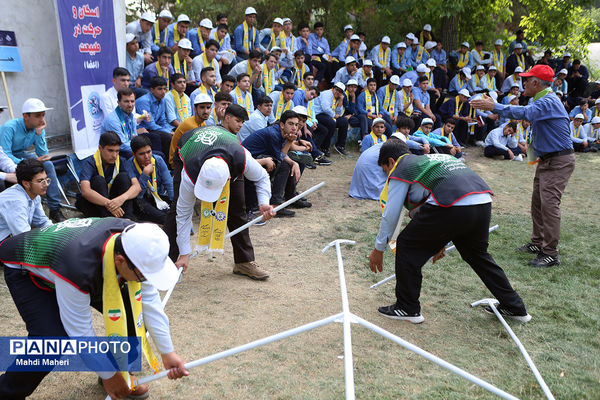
429 231
323 136
322 69
40 312
492 151
145 209
120 185
283 185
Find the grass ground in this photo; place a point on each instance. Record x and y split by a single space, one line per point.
213 310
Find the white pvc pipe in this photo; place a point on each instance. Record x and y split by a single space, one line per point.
487 386
448 249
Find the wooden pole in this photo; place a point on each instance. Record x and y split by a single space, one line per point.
10 110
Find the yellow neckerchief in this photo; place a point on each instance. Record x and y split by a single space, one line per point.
176 33
243 99
281 38
293 39
213 224
576 134
389 101
181 103
347 42
300 71
491 82
157 34
449 135
208 91
597 111
522 132
177 65
381 139
419 54
247 38
309 110
384 192
334 105
160 72
429 79
369 104
113 308
214 36
406 99
472 114
250 72
463 59
498 59
477 80
206 63
521 60
282 107
480 54
382 56
152 184
98 162
460 82
594 133
364 75
459 106
422 38
268 78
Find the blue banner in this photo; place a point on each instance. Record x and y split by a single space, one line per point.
96 353
89 46
10 59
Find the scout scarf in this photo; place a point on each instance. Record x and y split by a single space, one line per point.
159 71
369 103
576 133
268 77
274 38
406 99
522 132
181 104
214 36
213 223
292 40
176 33
282 107
477 81
206 63
152 185
389 101
300 71
157 35
459 106
128 128
498 59
243 99
113 309
98 162
309 109
383 201
463 59
250 72
208 91
247 39
382 56
491 82
597 112
337 103
376 139
419 54
177 65
461 83
472 114
594 134
521 60
449 135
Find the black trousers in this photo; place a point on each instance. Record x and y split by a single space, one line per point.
145 209
492 151
120 185
323 137
236 217
429 231
40 312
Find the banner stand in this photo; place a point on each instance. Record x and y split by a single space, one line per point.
10 109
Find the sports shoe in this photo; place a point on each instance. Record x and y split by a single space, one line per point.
544 261
302 203
509 314
252 215
311 165
300 157
284 213
326 152
394 312
57 216
480 143
530 248
251 270
321 160
139 393
341 150
518 158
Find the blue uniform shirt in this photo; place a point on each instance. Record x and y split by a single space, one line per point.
15 139
157 109
164 181
267 141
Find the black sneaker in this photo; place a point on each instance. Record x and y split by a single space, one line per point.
302 203
321 160
341 150
300 157
509 314
285 213
544 261
530 248
311 165
252 216
326 152
57 216
394 312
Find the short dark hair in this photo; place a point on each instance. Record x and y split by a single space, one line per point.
318 24
288 85
405 122
212 42
306 75
221 16
120 71
164 50
423 78
254 54
298 53
109 138
371 80
361 34
519 32
270 55
205 70
316 89
139 142
222 26
391 149
242 76
176 76
302 25
512 125
479 43
263 100
582 102
577 61
157 81
27 169
287 115
237 111
222 96
227 78
124 92
451 121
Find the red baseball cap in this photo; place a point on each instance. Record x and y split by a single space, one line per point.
540 71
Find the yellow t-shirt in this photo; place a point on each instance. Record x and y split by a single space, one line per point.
187 125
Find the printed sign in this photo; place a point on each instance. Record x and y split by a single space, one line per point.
10 60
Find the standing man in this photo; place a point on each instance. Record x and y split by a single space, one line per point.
18 134
446 191
553 146
55 274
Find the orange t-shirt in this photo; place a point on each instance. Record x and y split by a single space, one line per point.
187 125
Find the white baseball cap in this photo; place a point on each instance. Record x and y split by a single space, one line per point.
300 110
183 18
202 98
426 121
567 55
559 92
148 16
427 28
129 37
147 246
206 23
422 68
492 68
466 44
212 177
579 116
350 60
596 120
518 46
34 105
278 21
467 72
185 44
165 14
430 45
340 85
286 20
352 82
411 36
348 27
354 37
511 97
386 39
597 101
464 92
250 11
494 95
402 45
395 80
367 63
275 48
519 69
378 121
407 83
431 62
498 42
480 68
563 71
515 84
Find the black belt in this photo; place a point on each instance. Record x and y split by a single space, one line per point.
556 154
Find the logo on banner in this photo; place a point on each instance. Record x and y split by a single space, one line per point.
93 104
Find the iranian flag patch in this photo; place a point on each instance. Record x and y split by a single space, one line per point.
223 199
114 315
138 295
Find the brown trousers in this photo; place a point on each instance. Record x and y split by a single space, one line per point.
551 177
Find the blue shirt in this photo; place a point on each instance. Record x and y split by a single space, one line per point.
171 35
438 132
455 86
135 66
318 46
125 129
434 140
15 139
549 121
299 98
150 72
397 61
89 170
323 104
267 141
367 142
343 76
161 34
412 75
422 96
381 96
440 57
374 56
361 103
368 178
164 181
194 34
157 109
577 110
238 39
256 121
497 139
18 213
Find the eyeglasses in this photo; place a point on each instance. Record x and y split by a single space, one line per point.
140 278
43 181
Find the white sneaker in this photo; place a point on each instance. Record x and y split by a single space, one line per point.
518 158
479 143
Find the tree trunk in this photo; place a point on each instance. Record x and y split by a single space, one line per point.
449 33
